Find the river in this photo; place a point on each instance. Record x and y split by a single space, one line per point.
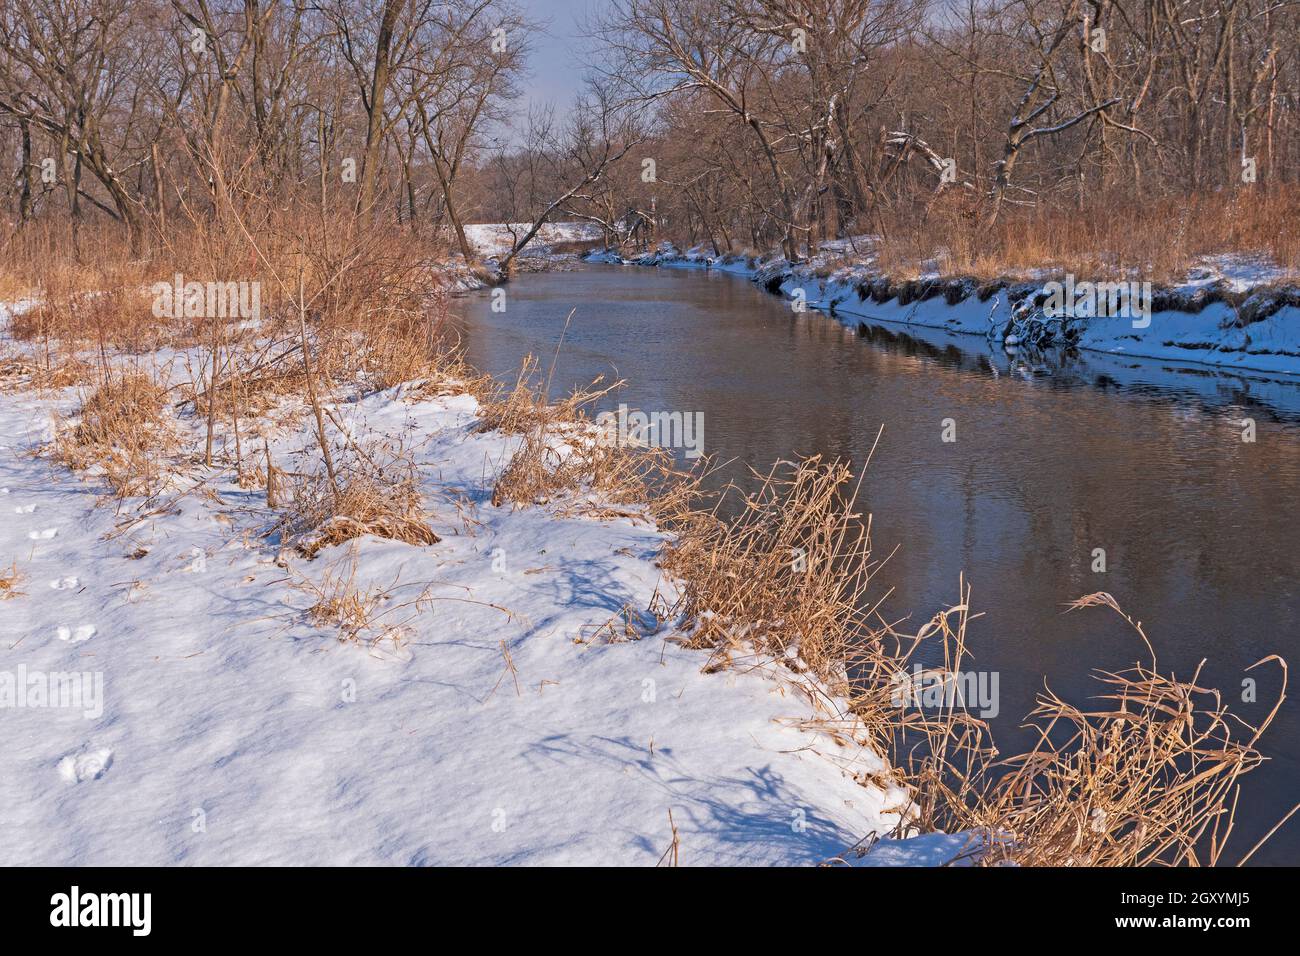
1143 460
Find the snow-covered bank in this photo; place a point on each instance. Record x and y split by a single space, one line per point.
489 721
458 276
1234 322
494 239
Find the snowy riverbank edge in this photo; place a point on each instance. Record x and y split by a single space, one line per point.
1243 327
231 729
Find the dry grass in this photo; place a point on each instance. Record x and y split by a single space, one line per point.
10 579
526 407
352 306
255 376
1150 776
43 372
252 377
111 315
629 623
372 300
376 491
670 856
362 615
566 457
580 469
788 576
395 357
44 253
544 469
530 475
1151 238
122 429
452 375
418 350
91 293
402 340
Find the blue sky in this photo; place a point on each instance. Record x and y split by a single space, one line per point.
555 66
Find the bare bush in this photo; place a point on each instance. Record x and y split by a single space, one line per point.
377 491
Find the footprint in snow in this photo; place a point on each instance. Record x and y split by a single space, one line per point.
64 584
76 635
88 764
43 535
24 509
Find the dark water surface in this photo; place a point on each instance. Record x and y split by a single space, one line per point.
1143 459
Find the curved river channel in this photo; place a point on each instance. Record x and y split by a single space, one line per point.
1144 460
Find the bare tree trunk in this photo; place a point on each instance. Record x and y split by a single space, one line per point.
378 92
25 172
449 203
160 196
311 388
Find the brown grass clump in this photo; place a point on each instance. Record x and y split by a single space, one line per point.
1150 776
455 376
583 470
240 399
517 410
249 384
567 457
787 577
360 614
122 430
114 317
339 604
374 491
530 477
9 581
526 407
408 340
43 372
405 356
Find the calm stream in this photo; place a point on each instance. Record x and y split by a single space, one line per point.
1142 459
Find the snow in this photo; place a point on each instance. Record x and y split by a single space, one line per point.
496 238
1209 337
499 728
1239 273
932 849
